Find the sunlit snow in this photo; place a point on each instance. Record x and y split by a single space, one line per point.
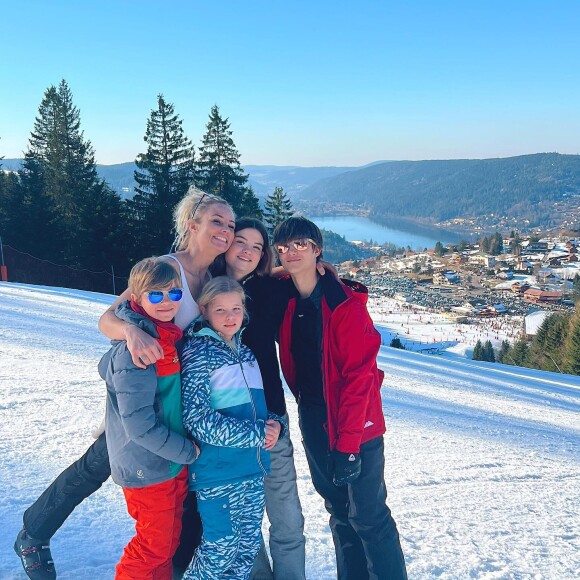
482 459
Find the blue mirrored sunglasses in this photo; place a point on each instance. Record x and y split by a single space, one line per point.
156 296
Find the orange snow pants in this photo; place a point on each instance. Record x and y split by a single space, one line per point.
157 510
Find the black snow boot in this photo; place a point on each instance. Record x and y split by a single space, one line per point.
35 556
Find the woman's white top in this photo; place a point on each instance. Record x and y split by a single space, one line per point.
189 310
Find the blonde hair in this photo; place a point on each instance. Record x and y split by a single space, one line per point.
221 285
153 274
195 203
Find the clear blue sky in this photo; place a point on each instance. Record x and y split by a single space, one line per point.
303 82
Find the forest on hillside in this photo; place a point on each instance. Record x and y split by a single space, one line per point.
526 187
56 209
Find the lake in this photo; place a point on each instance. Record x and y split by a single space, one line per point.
362 228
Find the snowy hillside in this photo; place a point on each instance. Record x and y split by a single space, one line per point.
482 460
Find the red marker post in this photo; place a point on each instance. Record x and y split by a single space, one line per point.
3 269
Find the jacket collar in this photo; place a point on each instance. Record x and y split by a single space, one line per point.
200 327
126 313
336 292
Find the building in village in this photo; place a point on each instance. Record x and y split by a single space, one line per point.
537 296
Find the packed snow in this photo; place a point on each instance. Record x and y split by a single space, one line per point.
482 459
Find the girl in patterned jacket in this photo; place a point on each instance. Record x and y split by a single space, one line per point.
224 409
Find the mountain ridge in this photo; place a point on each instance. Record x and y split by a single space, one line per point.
519 192
541 189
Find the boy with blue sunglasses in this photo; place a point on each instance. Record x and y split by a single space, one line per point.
145 436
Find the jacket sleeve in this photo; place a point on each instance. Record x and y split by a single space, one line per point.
356 346
199 419
135 389
283 424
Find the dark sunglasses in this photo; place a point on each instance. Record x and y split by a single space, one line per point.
300 245
156 296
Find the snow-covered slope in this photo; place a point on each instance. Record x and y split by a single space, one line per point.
482 460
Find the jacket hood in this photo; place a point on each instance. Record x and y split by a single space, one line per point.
336 292
126 313
356 287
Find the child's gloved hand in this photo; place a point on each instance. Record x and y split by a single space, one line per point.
344 467
273 429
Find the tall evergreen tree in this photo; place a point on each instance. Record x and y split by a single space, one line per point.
164 173
484 245
504 349
277 208
488 354
218 168
478 351
492 245
572 347
62 195
9 204
556 333
518 355
516 245
439 249
496 244
542 333
576 288
10 208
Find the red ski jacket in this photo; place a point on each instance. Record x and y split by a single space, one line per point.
352 380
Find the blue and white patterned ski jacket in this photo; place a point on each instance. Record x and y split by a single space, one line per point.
224 409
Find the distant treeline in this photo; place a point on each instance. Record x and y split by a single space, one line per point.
56 207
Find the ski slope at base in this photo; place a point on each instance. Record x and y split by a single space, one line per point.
482 459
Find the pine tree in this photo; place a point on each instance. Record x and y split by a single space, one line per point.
572 347
516 246
62 195
484 245
277 209
218 169
576 288
504 349
496 244
439 249
477 351
518 355
556 334
9 205
164 173
488 354
542 333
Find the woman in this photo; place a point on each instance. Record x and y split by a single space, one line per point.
205 229
249 261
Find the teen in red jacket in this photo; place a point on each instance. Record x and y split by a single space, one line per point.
351 378
328 349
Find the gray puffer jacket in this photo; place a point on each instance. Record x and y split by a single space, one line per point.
145 435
